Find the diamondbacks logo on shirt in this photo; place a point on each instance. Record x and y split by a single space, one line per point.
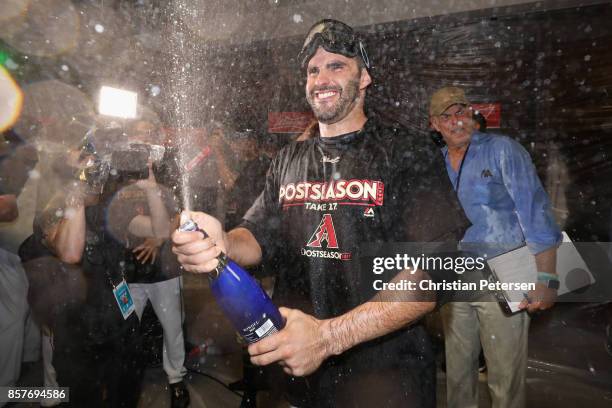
325 232
324 236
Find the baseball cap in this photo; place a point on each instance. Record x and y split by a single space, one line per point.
445 97
334 36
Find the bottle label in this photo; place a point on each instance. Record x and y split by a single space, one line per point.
258 332
265 328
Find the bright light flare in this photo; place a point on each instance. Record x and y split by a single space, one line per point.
117 102
11 100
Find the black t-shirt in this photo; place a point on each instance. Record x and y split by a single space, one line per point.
324 199
84 310
248 185
120 208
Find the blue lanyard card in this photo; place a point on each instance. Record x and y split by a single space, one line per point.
124 299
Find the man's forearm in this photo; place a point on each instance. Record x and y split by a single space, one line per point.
242 247
141 226
546 261
388 311
160 220
305 341
69 240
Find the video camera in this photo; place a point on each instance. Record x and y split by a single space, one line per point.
109 154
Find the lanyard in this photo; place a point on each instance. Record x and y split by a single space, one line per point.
458 180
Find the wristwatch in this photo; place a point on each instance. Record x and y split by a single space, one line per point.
549 279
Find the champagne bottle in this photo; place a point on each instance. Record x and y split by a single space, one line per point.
243 301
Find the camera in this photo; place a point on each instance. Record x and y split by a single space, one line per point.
131 163
110 155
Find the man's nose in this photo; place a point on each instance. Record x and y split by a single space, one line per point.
455 119
322 79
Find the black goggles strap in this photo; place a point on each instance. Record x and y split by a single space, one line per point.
336 45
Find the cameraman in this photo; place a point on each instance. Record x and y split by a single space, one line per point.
153 273
97 342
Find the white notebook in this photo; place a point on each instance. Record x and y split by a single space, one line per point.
518 266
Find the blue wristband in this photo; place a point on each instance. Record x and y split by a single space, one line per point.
545 276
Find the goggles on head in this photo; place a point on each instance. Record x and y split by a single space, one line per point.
335 37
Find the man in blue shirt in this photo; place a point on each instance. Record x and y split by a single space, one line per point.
503 197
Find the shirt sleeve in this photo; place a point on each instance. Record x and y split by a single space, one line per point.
530 199
431 209
263 218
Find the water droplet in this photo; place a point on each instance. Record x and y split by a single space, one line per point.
99 28
587 57
297 18
65 67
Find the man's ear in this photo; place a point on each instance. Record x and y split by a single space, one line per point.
365 79
433 124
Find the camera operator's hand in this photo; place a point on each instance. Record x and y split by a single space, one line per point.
76 194
195 252
148 250
75 160
149 183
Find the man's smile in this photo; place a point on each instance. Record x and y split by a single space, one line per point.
325 94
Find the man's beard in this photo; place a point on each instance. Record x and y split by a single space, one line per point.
343 106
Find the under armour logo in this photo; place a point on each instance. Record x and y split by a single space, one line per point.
326 159
486 173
